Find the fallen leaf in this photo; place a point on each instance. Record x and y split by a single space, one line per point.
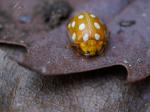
46 49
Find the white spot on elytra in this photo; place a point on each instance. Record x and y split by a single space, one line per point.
82 26
73 24
80 17
85 37
97 36
74 36
93 16
97 25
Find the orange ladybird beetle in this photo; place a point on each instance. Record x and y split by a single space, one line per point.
87 34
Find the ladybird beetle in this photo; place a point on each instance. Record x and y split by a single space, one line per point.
87 33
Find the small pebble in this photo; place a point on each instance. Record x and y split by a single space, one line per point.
139 60
125 61
130 65
125 23
25 19
114 47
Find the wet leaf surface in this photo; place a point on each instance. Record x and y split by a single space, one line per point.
46 52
